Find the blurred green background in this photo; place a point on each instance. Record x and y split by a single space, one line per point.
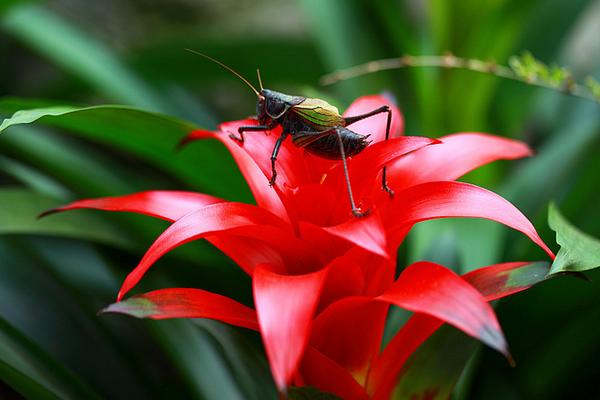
57 273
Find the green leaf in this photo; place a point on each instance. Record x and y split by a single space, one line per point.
79 53
150 135
19 208
8 4
578 251
195 354
309 393
34 373
256 382
433 370
32 178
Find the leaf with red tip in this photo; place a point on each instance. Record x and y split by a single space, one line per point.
437 291
165 204
186 303
217 219
323 373
455 199
458 154
493 282
285 306
265 196
501 280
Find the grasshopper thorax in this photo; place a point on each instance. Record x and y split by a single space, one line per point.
272 105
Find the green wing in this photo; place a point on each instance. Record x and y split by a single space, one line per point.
319 112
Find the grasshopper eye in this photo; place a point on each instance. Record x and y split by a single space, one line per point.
275 107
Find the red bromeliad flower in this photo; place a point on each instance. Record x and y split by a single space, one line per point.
323 280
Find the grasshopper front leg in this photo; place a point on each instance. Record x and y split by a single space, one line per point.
250 128
274 158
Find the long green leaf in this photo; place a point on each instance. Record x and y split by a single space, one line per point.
19 208
152 136
578 251
79 53
34 373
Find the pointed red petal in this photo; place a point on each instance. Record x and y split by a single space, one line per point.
186 303
435 290
265 196
455 199
285 307
172 205
221 218
366 232
166 204
458 154
375 125
323 373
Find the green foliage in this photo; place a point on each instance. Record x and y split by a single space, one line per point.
578 251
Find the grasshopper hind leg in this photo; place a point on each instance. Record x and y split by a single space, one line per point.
355 210
356 118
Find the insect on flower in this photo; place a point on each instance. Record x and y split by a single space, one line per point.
313 124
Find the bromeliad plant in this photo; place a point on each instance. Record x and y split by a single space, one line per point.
323 280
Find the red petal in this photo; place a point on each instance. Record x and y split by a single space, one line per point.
165 204
265 196
285 307
437 291
323 373
186 303
344 279
457 155
455 199
222 218
349 332
172 205
366 232
375 125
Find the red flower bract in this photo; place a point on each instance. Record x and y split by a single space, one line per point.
322 279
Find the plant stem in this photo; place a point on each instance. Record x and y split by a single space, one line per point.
449 61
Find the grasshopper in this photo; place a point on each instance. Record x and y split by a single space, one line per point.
313 124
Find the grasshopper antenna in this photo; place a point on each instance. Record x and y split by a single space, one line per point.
259 80
228 69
